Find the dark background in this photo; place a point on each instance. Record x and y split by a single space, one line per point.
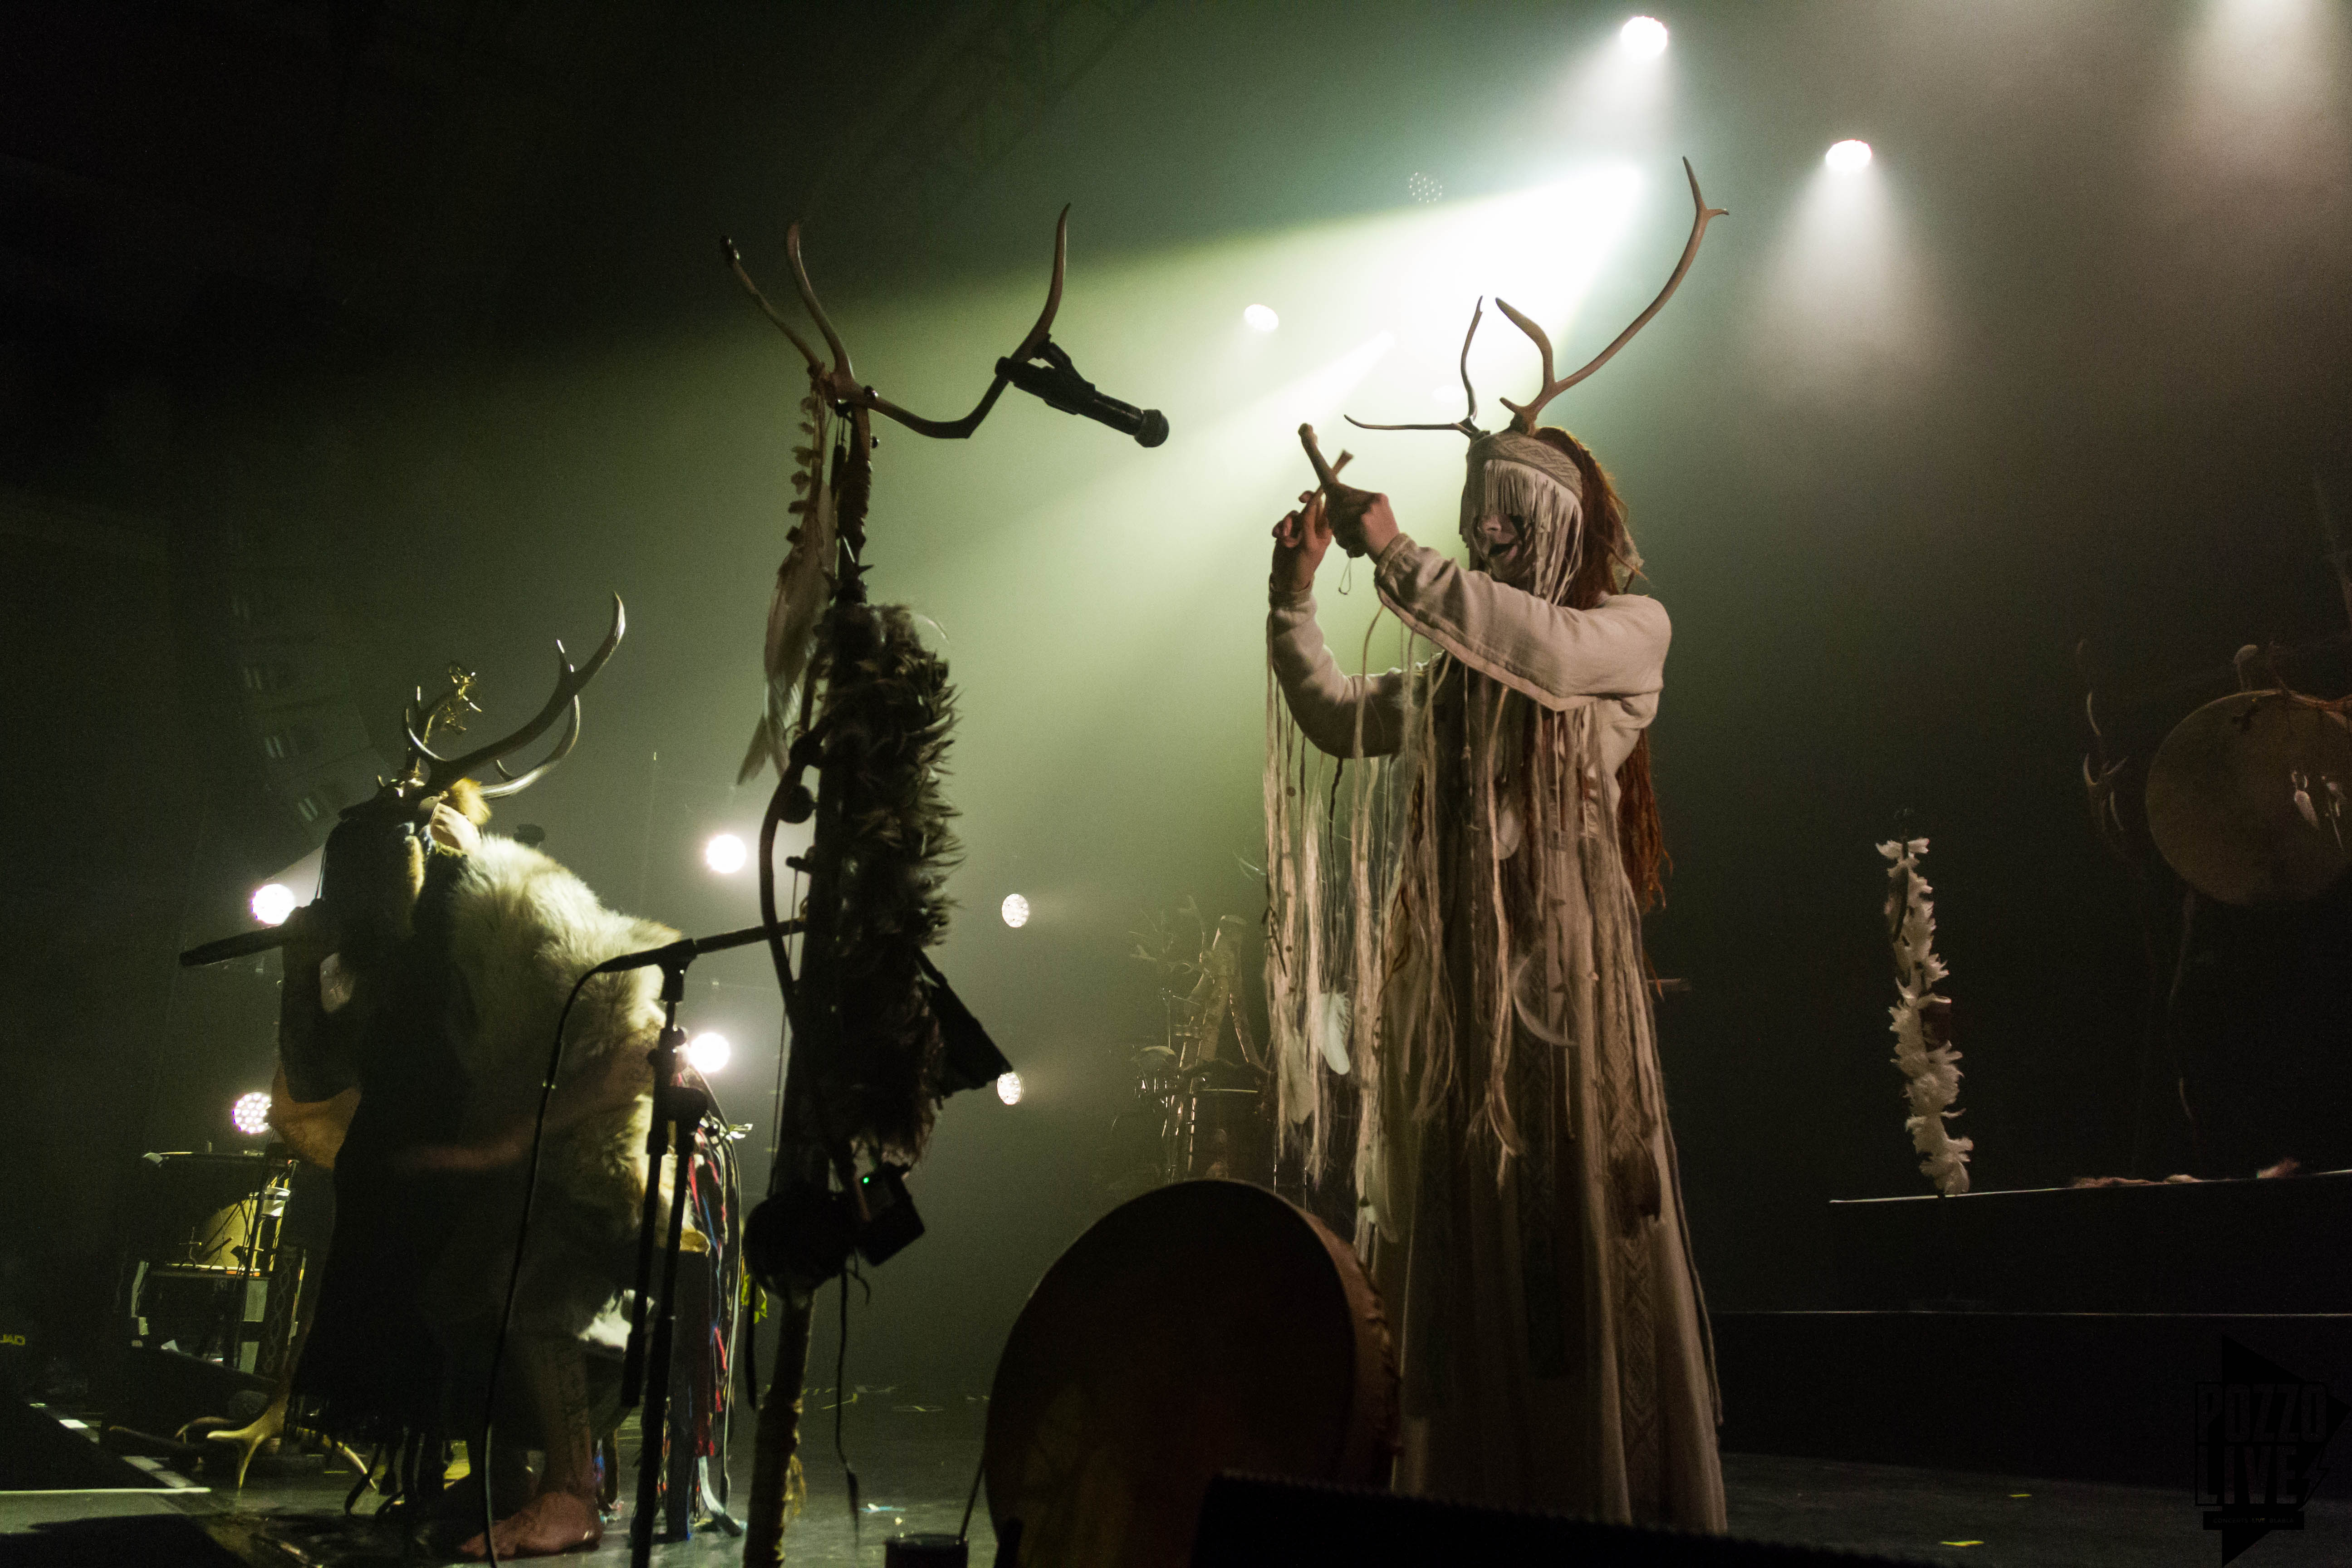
413 310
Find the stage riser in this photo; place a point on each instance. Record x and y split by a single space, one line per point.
2247 1246
2088 1397
1253 1521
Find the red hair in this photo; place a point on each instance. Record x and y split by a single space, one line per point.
1641 839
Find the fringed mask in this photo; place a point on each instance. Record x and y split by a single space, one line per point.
1522 513
1534 487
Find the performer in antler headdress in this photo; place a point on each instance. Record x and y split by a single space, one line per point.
1518 1193
453 952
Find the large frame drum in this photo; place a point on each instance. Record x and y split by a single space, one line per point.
1203 1327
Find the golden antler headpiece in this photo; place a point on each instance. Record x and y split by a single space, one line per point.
430 772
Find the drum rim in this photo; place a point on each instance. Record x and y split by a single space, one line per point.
1369 1430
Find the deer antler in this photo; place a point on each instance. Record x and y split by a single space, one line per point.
440 772
1523 415
838 383
1464 423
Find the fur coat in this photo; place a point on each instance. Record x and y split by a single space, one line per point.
522 929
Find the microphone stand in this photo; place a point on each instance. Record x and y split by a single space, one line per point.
678 1113
678 1110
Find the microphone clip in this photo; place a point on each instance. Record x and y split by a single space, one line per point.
1057 383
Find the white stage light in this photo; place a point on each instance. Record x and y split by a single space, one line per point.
250 1114
725 854
1422 188
1644 38
1848 157
1008 1088
272 902
709 1053
1015 910
1261 319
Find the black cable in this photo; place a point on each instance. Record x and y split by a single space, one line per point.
972 1496
730 1282
841 1407
514 1275
776 1107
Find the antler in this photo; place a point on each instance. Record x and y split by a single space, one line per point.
1464 423
838 382
441 771
1523 415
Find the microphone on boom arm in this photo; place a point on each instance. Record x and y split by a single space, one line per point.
686 949
1058 384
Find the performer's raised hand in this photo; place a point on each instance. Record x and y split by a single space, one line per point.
1359 519
308 936
1300 539
453 830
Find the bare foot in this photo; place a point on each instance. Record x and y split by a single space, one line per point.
550 1523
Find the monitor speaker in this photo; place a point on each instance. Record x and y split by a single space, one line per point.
1249 1522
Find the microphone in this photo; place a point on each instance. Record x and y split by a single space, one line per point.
1058 384
245 945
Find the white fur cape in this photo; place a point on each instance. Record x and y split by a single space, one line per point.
522 931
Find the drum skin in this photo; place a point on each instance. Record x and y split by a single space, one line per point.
2222 805
1207 1326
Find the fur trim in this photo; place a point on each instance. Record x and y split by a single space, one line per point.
522 929
465 798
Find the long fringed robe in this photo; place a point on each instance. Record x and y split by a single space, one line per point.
1528 1234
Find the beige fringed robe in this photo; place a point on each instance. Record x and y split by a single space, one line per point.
1551 1335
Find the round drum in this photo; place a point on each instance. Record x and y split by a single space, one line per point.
2250 799
1207 1326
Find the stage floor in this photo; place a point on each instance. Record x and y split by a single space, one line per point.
915 1453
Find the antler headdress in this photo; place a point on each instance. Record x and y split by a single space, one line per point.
1524 415
427 771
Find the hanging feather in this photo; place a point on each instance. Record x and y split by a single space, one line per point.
804 586
1922 1022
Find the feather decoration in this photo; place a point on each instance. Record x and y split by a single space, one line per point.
804 586
1922 1022
886 718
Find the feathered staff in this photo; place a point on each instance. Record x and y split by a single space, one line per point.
1923 1020
878 1038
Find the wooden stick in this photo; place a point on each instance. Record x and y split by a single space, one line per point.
777 1439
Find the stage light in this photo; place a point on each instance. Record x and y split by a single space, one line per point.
1848 157
1261 319
250 1114
1008 1088
709 1053
725 854
1644 38
272 902
1422 188
1015 910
